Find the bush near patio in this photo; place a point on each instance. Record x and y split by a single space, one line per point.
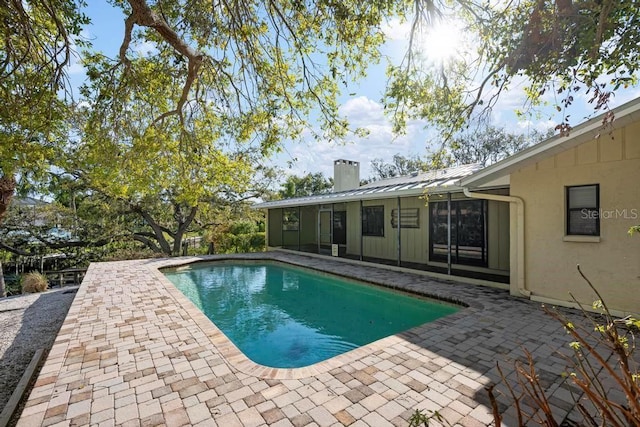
34 282
603 375
238 237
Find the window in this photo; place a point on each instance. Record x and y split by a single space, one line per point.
583 203
468 232
373 221
409 218
290 221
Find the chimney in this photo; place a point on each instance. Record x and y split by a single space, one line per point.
346 175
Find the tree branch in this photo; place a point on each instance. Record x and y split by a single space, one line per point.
14 250
157 229
150 244
144 16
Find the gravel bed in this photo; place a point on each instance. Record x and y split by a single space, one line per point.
28 322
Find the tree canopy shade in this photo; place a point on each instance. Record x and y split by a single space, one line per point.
35 49
559 48
261 67
226 81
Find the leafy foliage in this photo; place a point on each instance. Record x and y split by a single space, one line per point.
485 146
604 372
241 236
559 48
422 419
307 185
36 49
399 166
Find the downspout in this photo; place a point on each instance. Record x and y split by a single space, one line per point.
519 203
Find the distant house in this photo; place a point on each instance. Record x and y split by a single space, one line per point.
31 210
523 223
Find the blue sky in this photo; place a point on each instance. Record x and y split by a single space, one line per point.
361 106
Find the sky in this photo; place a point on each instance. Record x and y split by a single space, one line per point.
361 104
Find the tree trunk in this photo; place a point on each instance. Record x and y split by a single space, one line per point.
3 287
7 187
183 225
157 231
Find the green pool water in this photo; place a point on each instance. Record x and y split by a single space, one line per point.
286 317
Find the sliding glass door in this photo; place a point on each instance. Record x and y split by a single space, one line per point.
468 232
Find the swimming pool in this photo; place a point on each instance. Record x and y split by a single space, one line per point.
286 317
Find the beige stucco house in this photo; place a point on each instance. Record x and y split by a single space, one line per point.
574 199
524 223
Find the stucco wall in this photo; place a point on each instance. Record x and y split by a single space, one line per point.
612 261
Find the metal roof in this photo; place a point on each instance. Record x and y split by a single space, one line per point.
438 181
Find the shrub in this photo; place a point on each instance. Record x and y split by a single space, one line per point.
34 282
12 284
603 375
603 371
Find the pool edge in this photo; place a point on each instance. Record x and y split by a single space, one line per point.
236 359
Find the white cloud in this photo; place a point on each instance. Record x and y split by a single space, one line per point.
145 48
396 30
362 111
318 156
539 125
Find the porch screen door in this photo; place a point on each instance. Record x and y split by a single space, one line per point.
324 231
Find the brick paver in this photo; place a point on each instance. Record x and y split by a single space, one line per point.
134 351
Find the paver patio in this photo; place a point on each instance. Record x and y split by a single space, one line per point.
133 351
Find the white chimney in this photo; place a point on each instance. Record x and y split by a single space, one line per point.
346 175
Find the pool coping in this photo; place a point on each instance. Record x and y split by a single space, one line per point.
242 363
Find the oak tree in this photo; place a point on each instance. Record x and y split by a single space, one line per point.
557 49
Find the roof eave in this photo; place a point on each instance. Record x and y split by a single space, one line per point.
355 198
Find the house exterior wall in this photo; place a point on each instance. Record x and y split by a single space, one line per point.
612 260
308 225
498 235
414 242
353 228
381 246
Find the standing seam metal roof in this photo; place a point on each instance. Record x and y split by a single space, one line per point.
440 180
